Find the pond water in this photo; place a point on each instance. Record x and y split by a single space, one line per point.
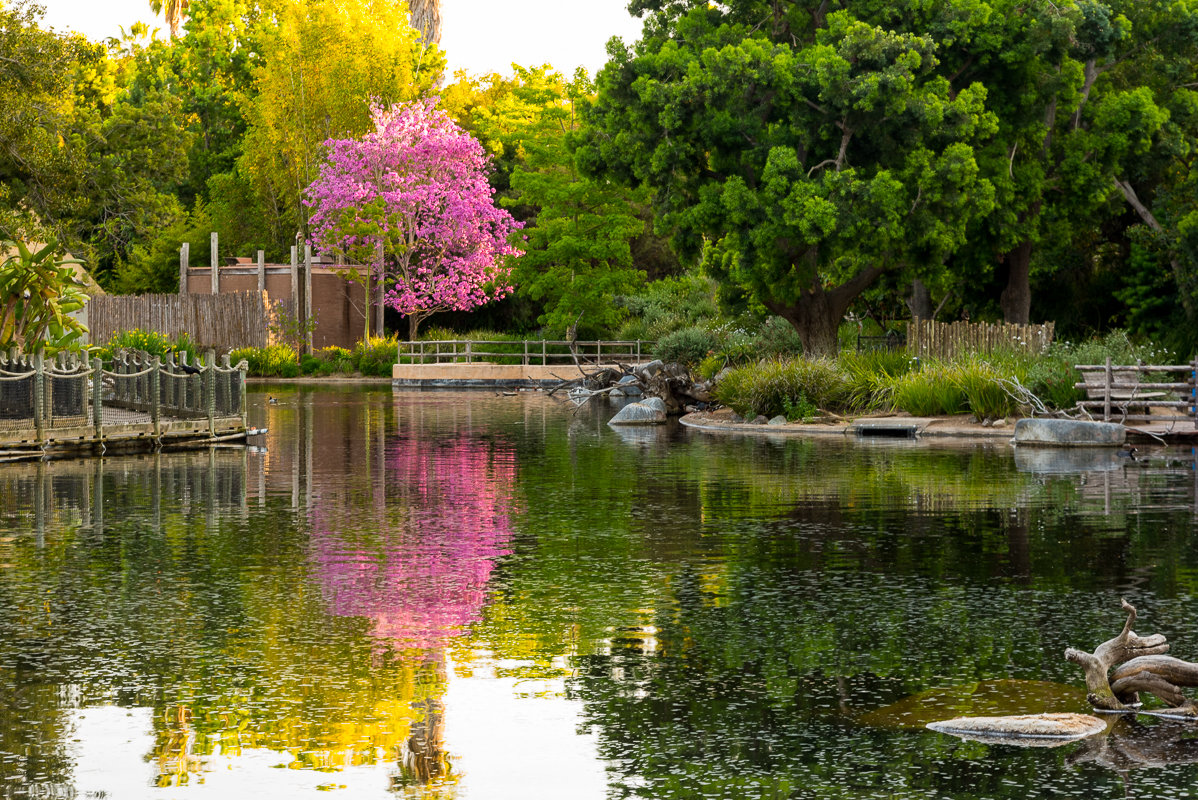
463 595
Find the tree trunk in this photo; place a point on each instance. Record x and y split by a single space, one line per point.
413 326
1016 299
920 301
817 313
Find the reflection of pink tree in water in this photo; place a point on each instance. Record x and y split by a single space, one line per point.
420 570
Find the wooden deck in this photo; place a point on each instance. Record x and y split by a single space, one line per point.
71 408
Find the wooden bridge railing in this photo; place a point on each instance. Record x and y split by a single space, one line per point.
528 352
1118 389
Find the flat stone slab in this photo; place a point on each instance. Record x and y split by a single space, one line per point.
1069 433
1057 728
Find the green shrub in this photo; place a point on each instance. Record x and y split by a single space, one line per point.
799 409
669 304
769 386
687 345
152 342
777 338
277 360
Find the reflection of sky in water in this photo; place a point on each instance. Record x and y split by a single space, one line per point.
420 573
501 730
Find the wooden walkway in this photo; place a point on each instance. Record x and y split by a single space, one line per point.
69 407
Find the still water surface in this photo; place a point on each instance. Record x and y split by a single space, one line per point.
440 595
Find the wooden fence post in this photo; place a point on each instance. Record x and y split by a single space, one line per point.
1106 392
156 396
39 397
98 398
214 259
210 392
261 271
308 297
184 263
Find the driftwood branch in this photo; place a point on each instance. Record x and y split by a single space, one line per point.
1141 667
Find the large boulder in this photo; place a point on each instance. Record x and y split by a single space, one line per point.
645 413
1069 433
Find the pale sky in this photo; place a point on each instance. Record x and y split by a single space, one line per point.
480 36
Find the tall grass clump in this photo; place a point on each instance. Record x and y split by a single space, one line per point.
781 386
928 392
982 383
871 376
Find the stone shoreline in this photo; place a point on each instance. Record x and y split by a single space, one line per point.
880 426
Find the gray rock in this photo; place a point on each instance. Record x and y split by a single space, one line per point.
778 420
987 423
760 419
1023 726
736 419
652 368
656 403
616 393
1069 433
638 414
626 379
719 376
632 390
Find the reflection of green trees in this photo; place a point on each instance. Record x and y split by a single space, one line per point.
205 614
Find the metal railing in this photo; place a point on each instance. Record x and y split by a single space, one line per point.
1118 389
40 396
528 352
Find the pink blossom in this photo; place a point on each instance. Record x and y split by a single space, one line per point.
416 185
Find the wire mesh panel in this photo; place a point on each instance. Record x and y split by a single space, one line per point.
16 400
67 398
228 392
182 395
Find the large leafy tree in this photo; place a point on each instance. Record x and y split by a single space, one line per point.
412 198
578 255
41 160
804 154
321 64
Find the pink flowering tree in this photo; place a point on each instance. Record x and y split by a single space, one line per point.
411 200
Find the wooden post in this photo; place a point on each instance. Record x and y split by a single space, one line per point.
1194 399
241 385
1106 392
215 256
210 391
39 397
469 353
97 398
526 352
308 296
156 396
295 307
184 259
261 271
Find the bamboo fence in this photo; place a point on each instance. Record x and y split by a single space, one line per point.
945 340
223 321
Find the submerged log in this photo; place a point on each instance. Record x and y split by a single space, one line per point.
1141 666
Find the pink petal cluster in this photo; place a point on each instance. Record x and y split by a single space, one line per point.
418 184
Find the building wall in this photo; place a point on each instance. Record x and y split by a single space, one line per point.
337 303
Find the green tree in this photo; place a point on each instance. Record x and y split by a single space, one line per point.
41 161
578 254
38 291
321 64
803 157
